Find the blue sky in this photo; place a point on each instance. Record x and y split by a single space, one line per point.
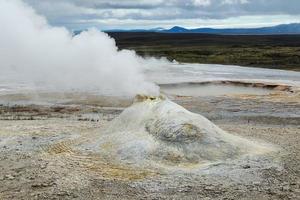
128 14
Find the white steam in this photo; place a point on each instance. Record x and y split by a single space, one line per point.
52 57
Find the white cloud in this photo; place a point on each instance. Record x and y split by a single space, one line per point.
233 22
201 2
72 13
235 1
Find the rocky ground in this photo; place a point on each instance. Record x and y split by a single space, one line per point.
38 158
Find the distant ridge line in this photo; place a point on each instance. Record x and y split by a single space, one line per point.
293 28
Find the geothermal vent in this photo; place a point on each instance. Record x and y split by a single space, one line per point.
157 130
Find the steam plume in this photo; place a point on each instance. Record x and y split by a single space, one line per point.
52 57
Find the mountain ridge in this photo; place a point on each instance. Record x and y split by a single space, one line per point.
293 28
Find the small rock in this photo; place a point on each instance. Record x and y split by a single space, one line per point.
9 177
41 185
286 188
209 188
43 166
75 195
246 166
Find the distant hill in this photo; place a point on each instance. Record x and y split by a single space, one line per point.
176 29
280 29
273 30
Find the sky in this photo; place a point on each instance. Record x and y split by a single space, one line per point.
132 14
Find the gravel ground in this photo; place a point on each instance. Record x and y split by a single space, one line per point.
38 158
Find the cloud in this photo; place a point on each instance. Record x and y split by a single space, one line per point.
70 12
201 2
235 1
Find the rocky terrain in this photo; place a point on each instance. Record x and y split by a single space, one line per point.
40 158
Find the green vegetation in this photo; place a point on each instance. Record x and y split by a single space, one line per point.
274 51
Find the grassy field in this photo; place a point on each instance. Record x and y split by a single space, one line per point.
268 51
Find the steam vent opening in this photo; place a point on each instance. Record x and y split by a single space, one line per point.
157 131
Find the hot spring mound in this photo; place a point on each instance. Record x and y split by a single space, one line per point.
157 130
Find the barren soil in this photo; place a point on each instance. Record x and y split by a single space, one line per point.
38 158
